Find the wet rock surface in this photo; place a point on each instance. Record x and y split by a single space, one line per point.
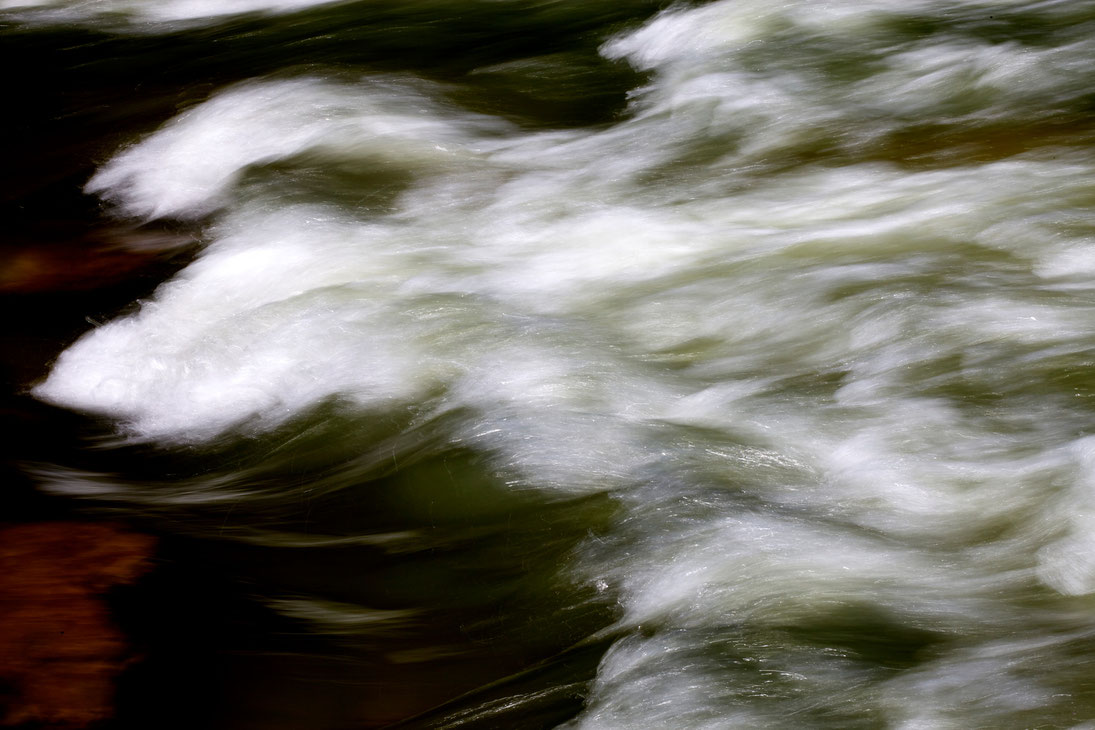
60 651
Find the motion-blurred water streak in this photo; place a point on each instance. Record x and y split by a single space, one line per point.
715 365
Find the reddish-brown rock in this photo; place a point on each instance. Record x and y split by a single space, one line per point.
60 652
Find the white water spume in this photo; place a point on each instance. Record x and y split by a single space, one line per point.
141 16
684 309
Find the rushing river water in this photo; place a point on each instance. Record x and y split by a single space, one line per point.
595 364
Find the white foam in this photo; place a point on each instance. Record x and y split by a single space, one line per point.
752 72
811 387
190 166
144 17
251 332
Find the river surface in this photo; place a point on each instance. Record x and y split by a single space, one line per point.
594 365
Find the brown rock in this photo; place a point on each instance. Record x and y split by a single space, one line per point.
60 653
81 261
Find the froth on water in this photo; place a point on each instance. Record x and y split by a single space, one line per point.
809 326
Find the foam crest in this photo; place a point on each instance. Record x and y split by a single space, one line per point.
251 332
799 77
190 167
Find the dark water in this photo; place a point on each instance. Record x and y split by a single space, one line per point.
535 364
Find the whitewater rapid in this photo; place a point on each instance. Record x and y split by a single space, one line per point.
816 312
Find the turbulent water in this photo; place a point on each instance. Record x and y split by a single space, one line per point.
707 366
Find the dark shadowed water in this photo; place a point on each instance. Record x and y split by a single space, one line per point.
532 363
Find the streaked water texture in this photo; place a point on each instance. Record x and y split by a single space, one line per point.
796 348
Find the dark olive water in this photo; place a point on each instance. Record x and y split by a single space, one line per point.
537 364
